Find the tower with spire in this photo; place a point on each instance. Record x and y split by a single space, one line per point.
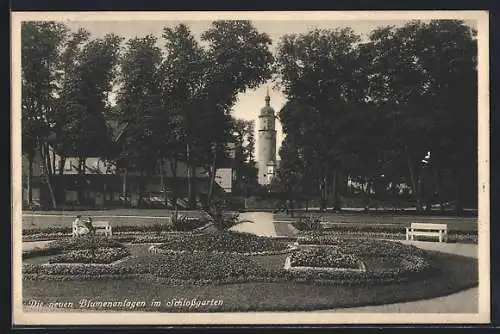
266 154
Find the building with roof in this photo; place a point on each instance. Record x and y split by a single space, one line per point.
266 153
105 183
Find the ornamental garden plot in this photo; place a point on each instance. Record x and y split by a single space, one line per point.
247 271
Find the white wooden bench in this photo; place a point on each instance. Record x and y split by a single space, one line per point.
427 229
98 226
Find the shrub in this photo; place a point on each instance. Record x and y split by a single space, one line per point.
220 215
308 223
101 255
184 223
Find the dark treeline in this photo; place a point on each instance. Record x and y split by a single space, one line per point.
373 110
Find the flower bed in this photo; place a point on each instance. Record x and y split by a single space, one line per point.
178 267
101 255
48 230
382 231
197 266
84 242
324 257
78 271
224 242
380 256
361 246
205 258
69 244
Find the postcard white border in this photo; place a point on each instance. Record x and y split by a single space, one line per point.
83 318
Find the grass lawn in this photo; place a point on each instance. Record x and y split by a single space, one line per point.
150 217
115 217
456 273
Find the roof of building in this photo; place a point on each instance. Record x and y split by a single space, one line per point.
267 110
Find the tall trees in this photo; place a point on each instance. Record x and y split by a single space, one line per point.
318 73
244 161
427 99
183 99
139 101
89 74
66 79
374 109
184 70
40 56
204 82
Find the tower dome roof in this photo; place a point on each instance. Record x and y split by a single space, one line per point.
267 110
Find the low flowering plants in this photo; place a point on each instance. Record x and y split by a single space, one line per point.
101 255
225 242
325 257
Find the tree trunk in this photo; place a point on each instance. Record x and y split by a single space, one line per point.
173 167
124 189
335 193
212 171
323 189
62 185
141 188
162 184
459 196
54 162
414 184
368 193
189 176
440 192
29 181
81 171
62 162
48 163
46 173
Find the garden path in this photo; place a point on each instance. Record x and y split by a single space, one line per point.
260 223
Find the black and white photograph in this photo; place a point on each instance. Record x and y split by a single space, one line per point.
250 167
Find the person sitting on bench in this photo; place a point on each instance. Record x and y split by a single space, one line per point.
84 227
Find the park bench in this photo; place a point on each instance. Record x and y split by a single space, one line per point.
429 230
98 226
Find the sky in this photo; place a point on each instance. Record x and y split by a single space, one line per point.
249 103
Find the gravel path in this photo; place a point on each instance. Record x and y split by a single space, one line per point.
260 223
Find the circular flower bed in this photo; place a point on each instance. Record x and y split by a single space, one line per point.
198 266
382 258
86 249
223 242
100 255
331 257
